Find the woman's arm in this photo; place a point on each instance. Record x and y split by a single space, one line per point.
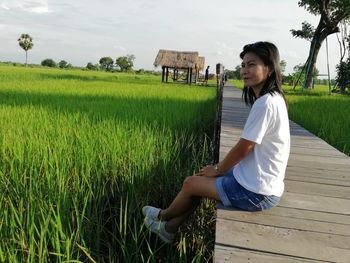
234 156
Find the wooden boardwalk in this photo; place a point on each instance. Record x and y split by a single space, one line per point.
312 221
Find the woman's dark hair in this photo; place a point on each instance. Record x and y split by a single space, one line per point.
269 54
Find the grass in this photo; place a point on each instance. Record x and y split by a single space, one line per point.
326 116
82 152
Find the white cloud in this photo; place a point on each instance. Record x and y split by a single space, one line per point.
33 6
224 49
119 47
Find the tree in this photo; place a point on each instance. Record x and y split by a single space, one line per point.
49 63
91 66
343 75
332 13
283 65
25 41
298 77
63 64
106 63
234 74
125 63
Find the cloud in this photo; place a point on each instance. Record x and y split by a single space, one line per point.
119 47
224 49
33 6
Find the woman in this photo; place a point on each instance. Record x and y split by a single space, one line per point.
251 176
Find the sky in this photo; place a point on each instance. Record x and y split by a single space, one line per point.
83 31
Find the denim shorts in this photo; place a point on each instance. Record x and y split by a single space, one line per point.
233 194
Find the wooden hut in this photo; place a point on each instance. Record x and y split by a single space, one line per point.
188 61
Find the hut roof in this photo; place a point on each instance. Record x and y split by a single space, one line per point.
200 63
178 59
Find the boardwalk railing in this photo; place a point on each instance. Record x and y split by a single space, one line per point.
220 82
312 221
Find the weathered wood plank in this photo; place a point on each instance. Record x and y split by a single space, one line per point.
282 221
270 239
308 163
317 189
310 179
324 161
321 172
238 255
316 203
316 216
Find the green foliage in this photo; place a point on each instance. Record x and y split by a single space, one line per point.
298 74
343 75
283 65
234 74
106 63
25 41
48 62
63 64
307 31
325 116
125 63
82 152
91 66
334 6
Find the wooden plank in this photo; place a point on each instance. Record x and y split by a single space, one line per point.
295 213
238 255
324 181
283 221
318 173
326 152
308 163
317 189
316 203
324 161
298 243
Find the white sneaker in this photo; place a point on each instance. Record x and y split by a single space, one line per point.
151 212
158 227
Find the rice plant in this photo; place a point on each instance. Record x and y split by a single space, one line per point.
82 152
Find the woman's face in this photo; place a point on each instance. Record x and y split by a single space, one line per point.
254 72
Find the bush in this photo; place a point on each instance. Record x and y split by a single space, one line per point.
49 63
91 66
343 75
63 64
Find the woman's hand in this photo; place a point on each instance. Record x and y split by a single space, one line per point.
208 171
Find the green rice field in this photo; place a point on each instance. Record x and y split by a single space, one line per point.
81 153
326 116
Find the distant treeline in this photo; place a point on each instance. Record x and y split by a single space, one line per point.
64 65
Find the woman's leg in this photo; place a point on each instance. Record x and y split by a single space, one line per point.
173 224
187 200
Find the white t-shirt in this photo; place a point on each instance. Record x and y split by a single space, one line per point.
263 170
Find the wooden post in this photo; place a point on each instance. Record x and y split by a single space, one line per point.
190 76
167 74
219 92
163 69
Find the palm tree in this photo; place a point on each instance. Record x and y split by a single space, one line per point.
26 42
